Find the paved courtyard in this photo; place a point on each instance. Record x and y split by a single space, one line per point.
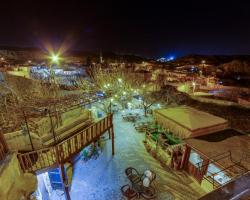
102 178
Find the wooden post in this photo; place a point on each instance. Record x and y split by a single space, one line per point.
52 126
113 140
65 181
28 130
3 142
185 157
109 133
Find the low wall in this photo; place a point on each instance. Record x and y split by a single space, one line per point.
219 102
244 102
14 184
163 155
215 101
242 89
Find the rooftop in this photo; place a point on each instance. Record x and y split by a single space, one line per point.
191 118
228 140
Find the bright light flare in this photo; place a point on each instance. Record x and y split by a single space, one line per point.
55 58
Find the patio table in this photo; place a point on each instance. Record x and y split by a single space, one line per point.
137 184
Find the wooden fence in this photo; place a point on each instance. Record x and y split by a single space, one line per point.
62 152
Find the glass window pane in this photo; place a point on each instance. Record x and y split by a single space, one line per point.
195 159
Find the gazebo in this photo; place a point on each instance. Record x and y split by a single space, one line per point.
186 122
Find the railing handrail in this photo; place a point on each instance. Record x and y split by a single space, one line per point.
78 132
38 150
86 128
63 141
60 152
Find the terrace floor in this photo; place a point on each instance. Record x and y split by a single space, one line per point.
102 178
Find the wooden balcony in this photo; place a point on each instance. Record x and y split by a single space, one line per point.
62 152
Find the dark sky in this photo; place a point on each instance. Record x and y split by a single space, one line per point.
149 28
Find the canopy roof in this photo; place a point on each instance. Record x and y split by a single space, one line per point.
229 140
191 118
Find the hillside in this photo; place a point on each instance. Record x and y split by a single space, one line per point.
18 55
215 60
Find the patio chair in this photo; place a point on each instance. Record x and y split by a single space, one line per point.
128 192
133 175
145 192
152 181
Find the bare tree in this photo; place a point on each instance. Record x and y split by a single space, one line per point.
115 83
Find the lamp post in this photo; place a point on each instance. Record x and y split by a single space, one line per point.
54 59
194 85
110 105
203 65
52 126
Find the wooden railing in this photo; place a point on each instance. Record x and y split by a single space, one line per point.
3 147
62 152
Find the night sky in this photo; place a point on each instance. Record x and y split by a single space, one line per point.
148 28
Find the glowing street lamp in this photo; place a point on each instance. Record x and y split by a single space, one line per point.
54 58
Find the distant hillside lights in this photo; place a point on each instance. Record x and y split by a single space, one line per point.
170 58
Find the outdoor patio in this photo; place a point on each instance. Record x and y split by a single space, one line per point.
102 178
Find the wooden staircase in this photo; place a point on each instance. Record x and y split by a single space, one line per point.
65 150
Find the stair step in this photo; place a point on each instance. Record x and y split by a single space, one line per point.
66 132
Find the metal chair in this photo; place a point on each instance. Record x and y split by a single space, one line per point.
128 192
148 193
133 175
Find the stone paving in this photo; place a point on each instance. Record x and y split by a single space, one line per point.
102 178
